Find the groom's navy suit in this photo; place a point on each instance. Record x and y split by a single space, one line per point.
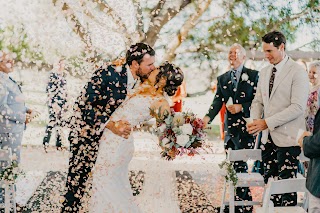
105 91
235 126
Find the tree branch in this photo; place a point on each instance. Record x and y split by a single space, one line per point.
156 10
104 7
184 31
161 18
75 23
140 25
290 18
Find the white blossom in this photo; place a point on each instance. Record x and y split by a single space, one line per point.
182 140
186 129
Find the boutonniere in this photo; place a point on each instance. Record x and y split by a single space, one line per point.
118 68
244 77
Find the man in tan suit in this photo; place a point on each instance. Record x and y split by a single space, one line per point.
278 111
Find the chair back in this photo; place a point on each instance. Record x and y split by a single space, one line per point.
285 186
303 158
288 186
244 154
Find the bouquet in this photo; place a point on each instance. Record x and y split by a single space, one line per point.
179 133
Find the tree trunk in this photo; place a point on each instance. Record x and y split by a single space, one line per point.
161 16
183 33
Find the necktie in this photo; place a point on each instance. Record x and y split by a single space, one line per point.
234 79
271 82
135 83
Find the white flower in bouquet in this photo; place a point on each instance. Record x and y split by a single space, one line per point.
165 143
244 77
186 129
178 119
182 140
162 128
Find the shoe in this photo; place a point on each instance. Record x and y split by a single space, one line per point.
45 148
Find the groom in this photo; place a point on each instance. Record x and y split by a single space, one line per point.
106 90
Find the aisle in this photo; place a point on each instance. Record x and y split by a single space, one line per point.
195 190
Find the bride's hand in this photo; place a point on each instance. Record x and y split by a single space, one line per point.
121 128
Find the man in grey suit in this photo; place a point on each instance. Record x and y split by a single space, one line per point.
278 111
13 113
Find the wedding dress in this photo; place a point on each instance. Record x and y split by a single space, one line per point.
111 190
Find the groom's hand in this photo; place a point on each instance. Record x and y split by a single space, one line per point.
234 108
205 120
121 128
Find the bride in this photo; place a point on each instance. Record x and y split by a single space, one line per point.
111 190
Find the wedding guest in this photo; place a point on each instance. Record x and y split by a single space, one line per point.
57 103
311 147
314 95
278 111
236 89
14 115
312 104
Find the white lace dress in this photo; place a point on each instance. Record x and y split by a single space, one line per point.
111 190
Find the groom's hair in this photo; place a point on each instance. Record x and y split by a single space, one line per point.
137 51
275 37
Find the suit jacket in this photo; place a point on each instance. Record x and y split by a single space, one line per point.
284 110
311 149
12 106
105 91
244 95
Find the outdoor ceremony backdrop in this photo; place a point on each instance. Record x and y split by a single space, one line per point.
194 34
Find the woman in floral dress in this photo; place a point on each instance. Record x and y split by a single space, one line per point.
313 100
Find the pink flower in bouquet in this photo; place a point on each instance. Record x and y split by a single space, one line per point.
197 124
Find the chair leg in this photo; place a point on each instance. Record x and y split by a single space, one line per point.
7 199
223 197
13 198
231 198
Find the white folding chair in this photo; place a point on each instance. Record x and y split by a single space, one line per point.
280 187
244 179
9 188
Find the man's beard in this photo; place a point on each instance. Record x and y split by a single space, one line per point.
142 77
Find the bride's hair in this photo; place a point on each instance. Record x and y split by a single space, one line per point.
173 75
